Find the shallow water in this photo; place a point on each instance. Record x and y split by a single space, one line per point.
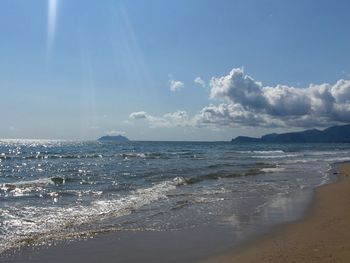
58 189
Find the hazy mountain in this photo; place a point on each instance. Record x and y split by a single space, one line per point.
332 134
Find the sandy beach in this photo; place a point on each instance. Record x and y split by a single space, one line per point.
322 236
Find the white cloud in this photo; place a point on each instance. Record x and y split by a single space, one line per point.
200 82
320 104
138 115
238 88
175 119
176 85
232 115
246 102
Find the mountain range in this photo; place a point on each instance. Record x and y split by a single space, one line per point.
334 134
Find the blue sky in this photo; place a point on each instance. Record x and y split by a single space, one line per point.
81 69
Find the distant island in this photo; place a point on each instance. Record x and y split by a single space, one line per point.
110 138
334 134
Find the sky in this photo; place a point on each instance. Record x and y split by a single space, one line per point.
172 70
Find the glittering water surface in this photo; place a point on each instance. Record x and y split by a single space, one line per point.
57 189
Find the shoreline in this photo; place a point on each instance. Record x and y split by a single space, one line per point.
208 244
322 235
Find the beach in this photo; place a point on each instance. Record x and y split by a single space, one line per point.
322 236
174 131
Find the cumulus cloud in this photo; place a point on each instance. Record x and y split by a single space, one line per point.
244 101
323 104
238 88
232 115
200 82
176 85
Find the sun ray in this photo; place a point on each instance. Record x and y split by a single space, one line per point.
51 25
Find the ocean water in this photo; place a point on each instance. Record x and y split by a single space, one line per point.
72 189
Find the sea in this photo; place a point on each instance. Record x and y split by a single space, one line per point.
53 189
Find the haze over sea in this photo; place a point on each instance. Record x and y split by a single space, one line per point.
53 189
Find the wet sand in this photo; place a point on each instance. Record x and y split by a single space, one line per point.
323 235
191 245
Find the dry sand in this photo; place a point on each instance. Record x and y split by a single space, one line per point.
322 236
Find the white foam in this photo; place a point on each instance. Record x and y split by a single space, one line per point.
179 180
323 153
273 170
262 152
139 155
24 188
37 182
276 156
338 159
269 152
320 159
31 221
